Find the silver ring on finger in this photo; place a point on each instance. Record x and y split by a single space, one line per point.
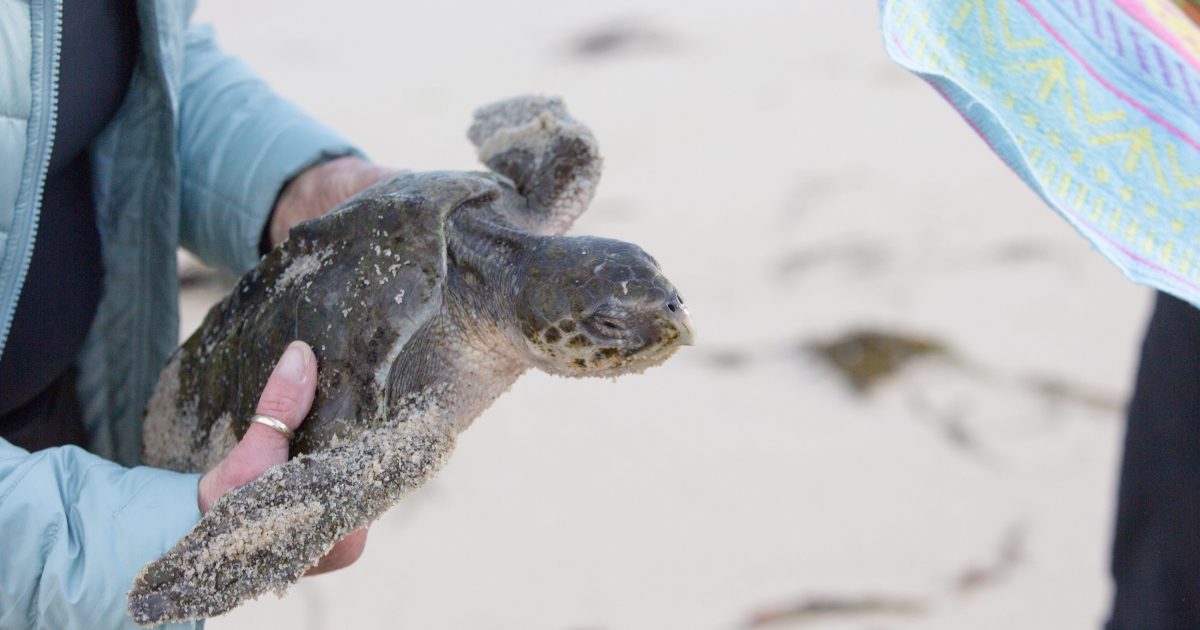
274 423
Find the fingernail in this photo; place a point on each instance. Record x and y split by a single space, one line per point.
293 366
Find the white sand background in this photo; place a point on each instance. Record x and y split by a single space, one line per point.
794 185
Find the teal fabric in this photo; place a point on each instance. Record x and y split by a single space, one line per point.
1094 104
15 49
77 527
196 156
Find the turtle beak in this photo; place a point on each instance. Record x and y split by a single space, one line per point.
686 335
679 317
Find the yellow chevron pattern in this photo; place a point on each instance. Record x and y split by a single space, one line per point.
1100 144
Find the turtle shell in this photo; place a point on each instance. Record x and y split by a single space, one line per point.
354 284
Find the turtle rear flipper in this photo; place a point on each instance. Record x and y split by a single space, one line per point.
265 535
552 158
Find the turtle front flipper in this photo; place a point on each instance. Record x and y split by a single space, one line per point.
552 158
268 533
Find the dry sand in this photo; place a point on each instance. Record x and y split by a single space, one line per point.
794 185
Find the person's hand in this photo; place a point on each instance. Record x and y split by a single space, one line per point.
318 190
287 397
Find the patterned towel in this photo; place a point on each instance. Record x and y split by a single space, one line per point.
1094 103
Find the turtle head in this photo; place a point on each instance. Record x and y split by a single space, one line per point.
598 307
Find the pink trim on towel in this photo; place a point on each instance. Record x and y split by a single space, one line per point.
1138 11
1121 95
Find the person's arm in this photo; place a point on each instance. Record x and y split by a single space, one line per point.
75 529
240 143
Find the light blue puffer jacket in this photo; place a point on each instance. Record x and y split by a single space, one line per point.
196 156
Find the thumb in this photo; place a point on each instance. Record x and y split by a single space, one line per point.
287 397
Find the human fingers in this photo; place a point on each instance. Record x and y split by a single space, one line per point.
343 554
287 397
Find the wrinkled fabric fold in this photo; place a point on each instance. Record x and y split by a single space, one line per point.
90 526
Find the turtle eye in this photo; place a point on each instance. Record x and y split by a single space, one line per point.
607 326
608 323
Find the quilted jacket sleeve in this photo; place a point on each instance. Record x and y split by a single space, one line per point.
240 143
76 529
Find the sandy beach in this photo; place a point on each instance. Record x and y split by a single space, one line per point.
797 188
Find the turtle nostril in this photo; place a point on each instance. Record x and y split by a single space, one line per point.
680 320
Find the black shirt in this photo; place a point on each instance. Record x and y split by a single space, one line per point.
58 300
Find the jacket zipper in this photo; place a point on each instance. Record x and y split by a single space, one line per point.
52 33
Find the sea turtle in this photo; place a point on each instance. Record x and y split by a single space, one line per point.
423 298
